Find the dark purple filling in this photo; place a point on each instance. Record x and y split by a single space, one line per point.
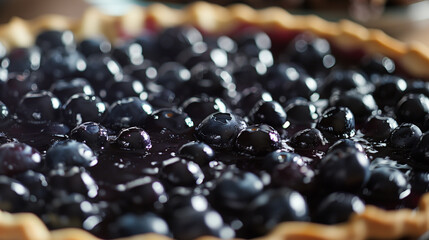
188 135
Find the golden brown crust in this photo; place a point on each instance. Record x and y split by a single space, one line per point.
373 223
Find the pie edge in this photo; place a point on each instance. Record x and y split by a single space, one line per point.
211 18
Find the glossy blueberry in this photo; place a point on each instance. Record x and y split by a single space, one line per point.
309 139
64 89
286 81
134 138
344 170
386 187
92 134
101 69
313 53
235 189
143 193
421 151
180 172
199 108
301 111
94 46
14 195
268 112
223 42
201 53
337 207
275 206
125 88
412 108
5 116
132 224
197 152
343 81
164 98
72 180
389 90
346 145
170 119
128 54
378 64
361 105
81 108
294 175
20 60
18 157
249 97
172 75
405 136
52 39
219 130
63 64
249 74
251 42
258 139
16 87
70 153
173 40
127 112
36 183
337 122
39 108
379 127
271 160
419 181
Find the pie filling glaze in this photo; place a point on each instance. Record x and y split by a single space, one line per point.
211 122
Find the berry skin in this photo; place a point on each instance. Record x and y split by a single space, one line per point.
389 90
65 89
39 108
219 130
294 175
53 39
421 152
361 105
197 152
134 138
346 145
405 136
378 127
14 195
268 112
337 122
133 224
301 111
94 46
199 108
337 207
180 172
18 157
342 81
258 140
127 112
92 134
72 180
70 153
310 139
20 60
81 108
413 108
271 160
170 119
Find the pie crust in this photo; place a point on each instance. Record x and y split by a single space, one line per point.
413 58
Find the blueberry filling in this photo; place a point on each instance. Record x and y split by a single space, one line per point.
188 135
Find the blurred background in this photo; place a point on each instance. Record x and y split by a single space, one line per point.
408 22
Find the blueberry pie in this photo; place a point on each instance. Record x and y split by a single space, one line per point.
211 122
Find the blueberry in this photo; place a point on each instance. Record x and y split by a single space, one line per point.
271 160
134 138
16 87
308 139
39 108
14 195
389 90
412 108
143 193
64 89
53 39
63 64
346 145
386 187
197 152
268 112
92 134
36 183
273 207
81 108
344 170
249 97
172 41
249 74
337 207
128 54
223 42
199 108
258 140
170 119
72 180
5 115
378 64
418 87
235 189
70 153
421 151
180 172
219 130
94 46
125 88
201 53
301 111
20 60
251 43
343 81
133 224
127 112
294 175
162 99
18 157
405 136
172 75
101 69
337 122
361 105
379 127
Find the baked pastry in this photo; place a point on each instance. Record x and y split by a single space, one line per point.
224 160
